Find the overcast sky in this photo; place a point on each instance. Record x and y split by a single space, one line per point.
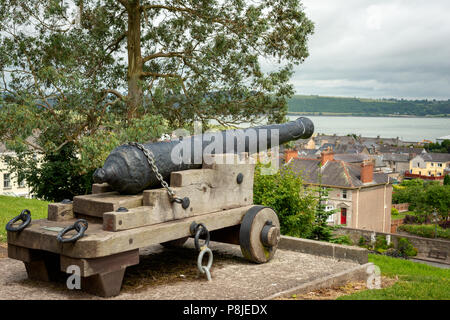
377 48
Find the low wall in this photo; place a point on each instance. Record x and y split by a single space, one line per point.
401 207
395 224
326 249
423 245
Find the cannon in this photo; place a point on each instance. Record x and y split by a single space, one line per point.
126 169
132 206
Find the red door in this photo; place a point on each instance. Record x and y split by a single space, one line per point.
343 215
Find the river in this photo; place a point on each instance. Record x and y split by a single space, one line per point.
407 129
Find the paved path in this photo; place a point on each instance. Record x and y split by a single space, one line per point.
172 274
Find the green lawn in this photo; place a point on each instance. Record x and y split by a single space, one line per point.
417 281
12 206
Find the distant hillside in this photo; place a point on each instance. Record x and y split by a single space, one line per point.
368 107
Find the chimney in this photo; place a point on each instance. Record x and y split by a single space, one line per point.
367 171
326 155
290 154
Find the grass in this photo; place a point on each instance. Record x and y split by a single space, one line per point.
402 215
425 230
12 206
417 281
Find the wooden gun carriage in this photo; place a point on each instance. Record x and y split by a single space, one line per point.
221 198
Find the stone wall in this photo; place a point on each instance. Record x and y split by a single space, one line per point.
395 224
423 245
401 207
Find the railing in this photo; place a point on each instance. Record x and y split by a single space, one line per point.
419 176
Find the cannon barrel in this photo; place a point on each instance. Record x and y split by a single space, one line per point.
127 170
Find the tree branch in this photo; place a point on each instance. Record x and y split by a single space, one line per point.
163 55
125 3
160 75
114 92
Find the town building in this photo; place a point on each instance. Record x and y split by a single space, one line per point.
428 166
10 185
361 197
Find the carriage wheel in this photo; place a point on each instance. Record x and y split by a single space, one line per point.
259 234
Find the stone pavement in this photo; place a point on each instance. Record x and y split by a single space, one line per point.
172 274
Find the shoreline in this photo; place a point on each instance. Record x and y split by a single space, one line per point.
364 116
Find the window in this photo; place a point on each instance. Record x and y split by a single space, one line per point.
432 164
418 164
6 180
344 194
440 165
21 182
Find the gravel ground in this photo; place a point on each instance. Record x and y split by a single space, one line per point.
171 274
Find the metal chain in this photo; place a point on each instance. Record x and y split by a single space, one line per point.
151 161
200 229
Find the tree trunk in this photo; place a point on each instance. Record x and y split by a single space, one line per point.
135 65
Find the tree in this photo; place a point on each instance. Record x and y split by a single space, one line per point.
320 229
84 72
284 192
447 180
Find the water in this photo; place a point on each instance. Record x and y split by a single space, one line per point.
407 129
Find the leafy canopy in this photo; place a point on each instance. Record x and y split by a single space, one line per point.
92 74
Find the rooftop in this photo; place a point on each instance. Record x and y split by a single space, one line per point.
334 173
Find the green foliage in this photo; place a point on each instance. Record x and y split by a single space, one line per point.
283 191
424 198
367 107
447 180
362 241
92 84
417 281
406 248
443 147
13 206
321 230
412 183
55 177
344 239
394 212
425 230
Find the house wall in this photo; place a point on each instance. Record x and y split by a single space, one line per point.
417 165
335 198
401 166
373 208
14 189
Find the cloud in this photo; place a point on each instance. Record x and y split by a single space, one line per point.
384 48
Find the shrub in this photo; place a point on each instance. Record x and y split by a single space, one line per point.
445 224
362 241
425 230
405 248
394 211
381 243
283 191
410 219
342 240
